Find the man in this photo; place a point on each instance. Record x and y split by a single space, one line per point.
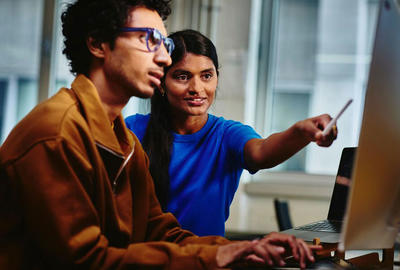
75 190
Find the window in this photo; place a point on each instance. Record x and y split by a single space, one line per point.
20 27
310 62
33 66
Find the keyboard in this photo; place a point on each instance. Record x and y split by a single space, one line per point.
322 226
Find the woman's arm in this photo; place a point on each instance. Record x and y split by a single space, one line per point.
271 151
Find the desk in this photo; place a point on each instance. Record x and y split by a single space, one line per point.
324 264
320 265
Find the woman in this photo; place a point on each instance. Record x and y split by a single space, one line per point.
196 159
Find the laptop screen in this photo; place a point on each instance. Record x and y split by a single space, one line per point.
339 198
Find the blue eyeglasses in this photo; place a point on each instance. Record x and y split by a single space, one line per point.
153 38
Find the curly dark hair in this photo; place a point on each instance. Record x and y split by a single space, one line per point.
101 20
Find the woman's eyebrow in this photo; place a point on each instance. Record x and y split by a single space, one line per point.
180 71
184 71
208 70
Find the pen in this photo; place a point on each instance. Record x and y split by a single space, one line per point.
330 125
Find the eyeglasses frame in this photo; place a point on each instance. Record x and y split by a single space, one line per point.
149 30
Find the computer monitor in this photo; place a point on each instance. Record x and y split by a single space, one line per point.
373 211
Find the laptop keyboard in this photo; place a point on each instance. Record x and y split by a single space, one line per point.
322 226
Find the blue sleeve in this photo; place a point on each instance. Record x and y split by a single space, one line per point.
138 124
236 136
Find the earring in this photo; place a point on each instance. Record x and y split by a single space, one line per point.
162 92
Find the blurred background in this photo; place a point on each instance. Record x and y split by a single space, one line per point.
281 61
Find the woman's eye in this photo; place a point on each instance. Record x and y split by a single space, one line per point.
182 77
207 76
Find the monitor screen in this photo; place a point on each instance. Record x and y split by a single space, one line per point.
342 185
374 190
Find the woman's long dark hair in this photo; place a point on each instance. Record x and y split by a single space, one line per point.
157 141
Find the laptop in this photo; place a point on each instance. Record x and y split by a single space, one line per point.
328 230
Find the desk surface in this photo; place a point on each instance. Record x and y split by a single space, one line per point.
327 264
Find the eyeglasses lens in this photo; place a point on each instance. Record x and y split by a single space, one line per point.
169 45
154 40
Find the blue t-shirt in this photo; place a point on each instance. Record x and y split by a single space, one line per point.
204 171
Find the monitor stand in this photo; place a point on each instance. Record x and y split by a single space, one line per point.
367 261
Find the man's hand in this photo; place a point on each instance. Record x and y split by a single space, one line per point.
297 248
245 253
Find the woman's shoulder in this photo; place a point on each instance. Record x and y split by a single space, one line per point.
221 122
231 127
137 123
136 119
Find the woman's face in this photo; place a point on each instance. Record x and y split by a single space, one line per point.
191 84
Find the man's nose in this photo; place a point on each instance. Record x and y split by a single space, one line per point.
162 56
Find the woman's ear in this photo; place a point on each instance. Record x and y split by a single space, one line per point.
95 47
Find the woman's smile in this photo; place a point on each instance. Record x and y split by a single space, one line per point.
195 101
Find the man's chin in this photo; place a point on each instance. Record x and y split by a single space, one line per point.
145 93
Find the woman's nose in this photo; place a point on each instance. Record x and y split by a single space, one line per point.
195 85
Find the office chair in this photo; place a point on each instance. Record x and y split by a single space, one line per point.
282 214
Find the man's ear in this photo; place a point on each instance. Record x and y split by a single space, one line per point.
95 47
